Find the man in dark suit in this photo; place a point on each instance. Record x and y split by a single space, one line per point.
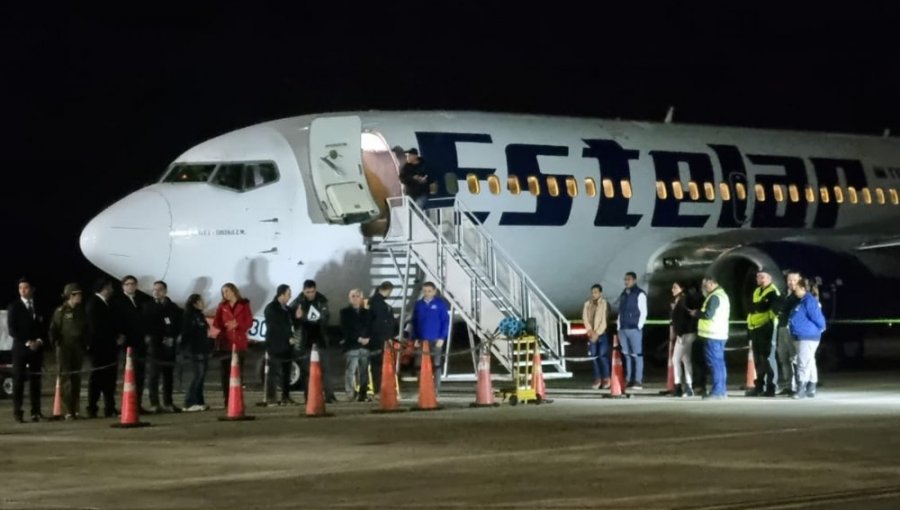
162 324
383 329
279 329
103 349
128 312
27 328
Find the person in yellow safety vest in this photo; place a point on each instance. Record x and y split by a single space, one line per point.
762 320
712 331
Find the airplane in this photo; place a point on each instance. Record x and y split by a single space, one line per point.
576 200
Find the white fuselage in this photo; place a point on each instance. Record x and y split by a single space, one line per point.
198 236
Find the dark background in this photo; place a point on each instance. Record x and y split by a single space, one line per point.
98 102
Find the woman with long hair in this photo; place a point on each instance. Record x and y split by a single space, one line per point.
806 323
233 320
683 334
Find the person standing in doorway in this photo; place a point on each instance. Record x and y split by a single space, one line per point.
415 179
632 316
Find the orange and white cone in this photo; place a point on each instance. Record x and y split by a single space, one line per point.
617 383
484 392
387 400
235 392
129 417
537 377
315 401
57 401
427 398
751 369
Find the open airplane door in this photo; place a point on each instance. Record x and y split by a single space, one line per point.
335 160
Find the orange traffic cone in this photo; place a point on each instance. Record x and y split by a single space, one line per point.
235 392
617 383
57 402
751 369
484 393
129 416
315 401
388 393
537 377
427 398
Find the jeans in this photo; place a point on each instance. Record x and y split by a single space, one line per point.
807 371
437 354
357 360
194 395
633 351
681 354
715 360
600 350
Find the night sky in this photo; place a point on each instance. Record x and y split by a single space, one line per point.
97 103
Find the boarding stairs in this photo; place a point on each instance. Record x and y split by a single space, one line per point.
482 283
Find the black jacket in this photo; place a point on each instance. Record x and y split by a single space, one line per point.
355 323
130 318
279 328
102 330
682 322
384 325
161 320
314 331
414 188
195 332
23 327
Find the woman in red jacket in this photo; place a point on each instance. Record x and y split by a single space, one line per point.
233 320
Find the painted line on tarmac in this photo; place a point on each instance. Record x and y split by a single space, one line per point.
831 498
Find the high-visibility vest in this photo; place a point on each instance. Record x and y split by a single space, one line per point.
759 319
717 327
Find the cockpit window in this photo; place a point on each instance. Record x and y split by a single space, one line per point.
238 176
189 172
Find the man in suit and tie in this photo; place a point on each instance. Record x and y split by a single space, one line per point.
103 349
128 310
27 328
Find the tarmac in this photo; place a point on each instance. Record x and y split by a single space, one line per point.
582 450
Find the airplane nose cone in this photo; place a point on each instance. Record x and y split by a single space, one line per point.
131 236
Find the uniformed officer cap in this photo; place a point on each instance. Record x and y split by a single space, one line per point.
71 288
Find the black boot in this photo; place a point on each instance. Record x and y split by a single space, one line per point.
810 390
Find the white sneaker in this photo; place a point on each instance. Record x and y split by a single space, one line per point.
194 408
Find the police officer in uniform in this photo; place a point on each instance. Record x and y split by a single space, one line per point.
69 333
712 331
162 323
761 322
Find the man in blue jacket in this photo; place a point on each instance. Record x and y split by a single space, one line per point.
431 323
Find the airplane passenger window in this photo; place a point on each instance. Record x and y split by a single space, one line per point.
590 187
895 199
694 190
725 191
494 184
778 192
451 183
794 193
709 191
626 188
571 187
867 196
810 194
534 187
661 190
677 190
608 190
760 192
740 191
838 195
512 184
823 192
189 172
852 195
879 195
474 185
552 186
